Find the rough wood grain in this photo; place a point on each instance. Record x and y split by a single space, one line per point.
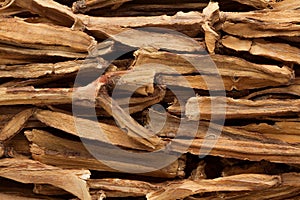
73 154
234 183
264 23
238 108
29 171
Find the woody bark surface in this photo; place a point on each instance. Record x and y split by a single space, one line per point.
96 94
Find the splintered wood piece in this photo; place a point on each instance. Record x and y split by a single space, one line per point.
286 5
276 51
230 83
238 108
260 47
211 15
259 4
50 96
125 121
146 9
264 23
65 153
36 70
166 125
187 23
88 129
237 73
138 104
87 5
243 150
13 55
280 192
52 37
29 171
58 13
293 89
29 95
140 81
185 188
122 187
15 125
284 131
158 38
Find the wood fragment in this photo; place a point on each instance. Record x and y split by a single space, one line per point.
35 35
237 73
238 108
233 183
15 125
259 24
260 47
29 171
87 5
100 131
73 154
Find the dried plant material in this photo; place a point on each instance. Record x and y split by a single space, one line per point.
44 36
74 154
243 150
42 69
280 192
138 104
122 188
154 95
236 43
25 56
52 10
29 171
211 15
146 9
260 47
239 108
16 124
279 51
286 5
264 23
238 73
284 131
87 5
293 89
99 131
152 38
187 23
291 179
185 188
211 38
125 121
134 81
29 95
